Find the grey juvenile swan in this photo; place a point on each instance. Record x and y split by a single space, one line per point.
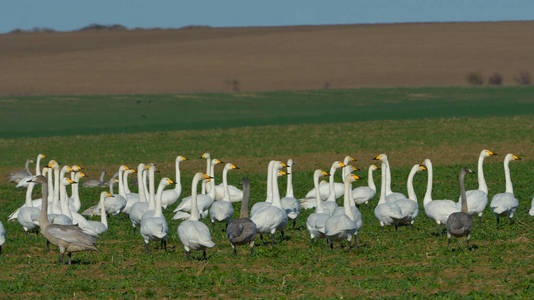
242 231
460 223
68 238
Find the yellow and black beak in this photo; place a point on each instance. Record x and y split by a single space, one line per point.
517 157
356 177
235 167
378 157
423 168
324 173
170 181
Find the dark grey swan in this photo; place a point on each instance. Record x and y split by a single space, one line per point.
460 223
68 238
242 231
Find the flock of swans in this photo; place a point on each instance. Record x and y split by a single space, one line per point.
58 219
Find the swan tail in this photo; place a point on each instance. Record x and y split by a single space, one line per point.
208 244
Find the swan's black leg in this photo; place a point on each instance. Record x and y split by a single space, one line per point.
0 250
480 220
272 240
134 230
261 238
440 233
312 242
396 227
69 256
212 226
204 254
511 220
164 245
497 221
47 246
282 233
294 223
146 248
62 258
330 243
188 255
235 250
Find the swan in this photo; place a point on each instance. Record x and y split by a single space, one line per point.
387 213
19 174
205 188
478 199
460 223
271 218
316 221
74 202
330 204
347 225
222 210
59 207
100 226
133 198
437 210
28 216
95 183
34 203
76 218
531 211
24 181
289 203
153 223
324 187
234 193
363 194
242 231
390 196
2 236
171 196
505 204
204 201
194 234
68 238
117 202
138 208
269 198
94 210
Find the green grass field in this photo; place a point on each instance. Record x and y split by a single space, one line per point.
411 262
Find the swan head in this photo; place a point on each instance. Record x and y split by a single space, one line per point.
511 157
141 166
487 153
382 157
348 159
352 178
230 166
290 163
216 161
421 168
53 164
374 167
130 171
320 173
66 168
181 158
123 168
79 175
245 181
337 165
205 155
466 170
67 181
352 168
281 173
41 156
38 179
76 168
427 163
166 181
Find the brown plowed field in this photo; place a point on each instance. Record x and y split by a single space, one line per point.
267 58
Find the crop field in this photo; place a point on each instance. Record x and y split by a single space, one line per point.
448 125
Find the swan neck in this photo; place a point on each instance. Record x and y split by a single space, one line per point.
276 192
409 184
38 165
27 166
125 186
103 216
56 185
388 179
178 177
269 183
226 196
140 185
29 191
209 171
145 187
370 179
102 176
63 201
348 199
482 186
383 184
244 202
121 186
289 188
43 217
194 206
428 193
211 183
509 187
462 191
151 203
159 195
331 188
318 201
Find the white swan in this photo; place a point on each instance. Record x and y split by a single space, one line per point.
316 221
324 187
289 203
389 194
28 216
117 202
478 199
204 201
387 213
364 194
138 208
36 203
153 223
531 211
60 207
345 226
24 181
102 226
269 190
133 198
171 196
437 210
194 234
74 201
95 183
409 206
206 188
222 210
76 218
271 218
330 204
324 190
505 204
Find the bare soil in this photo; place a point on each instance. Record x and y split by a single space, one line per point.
262 58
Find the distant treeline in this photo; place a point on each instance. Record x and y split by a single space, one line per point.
101 27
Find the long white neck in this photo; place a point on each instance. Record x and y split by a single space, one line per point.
111 185
29 191
151 187
509 187
348 199
383 176
125 183
177 172
56 184
145 187
75 190
194 208
140 183
276 192
209 172
27 166
370 180
289 188
332 190
225 185
388 179
50 189
428 193
318 202
211 183
158 212
102 174
38 165
63 201
409 183
270 182
103 217
121 187
482 186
